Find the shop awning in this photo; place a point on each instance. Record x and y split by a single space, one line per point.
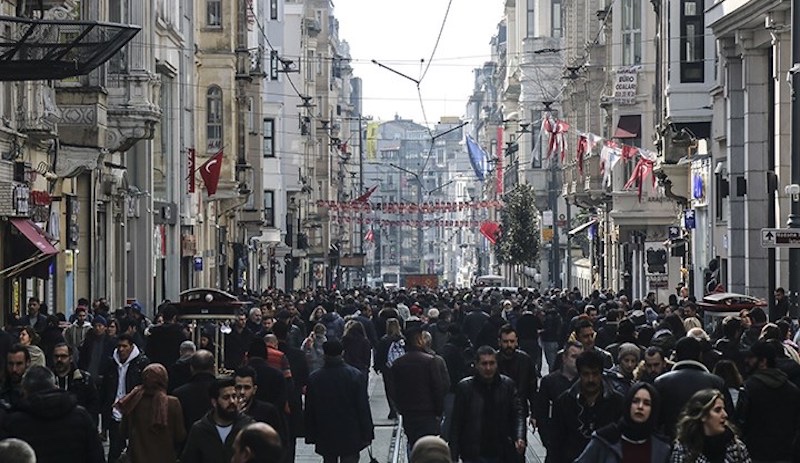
582 227
628 127
35 235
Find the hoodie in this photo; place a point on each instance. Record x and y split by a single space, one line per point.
768 410
122 369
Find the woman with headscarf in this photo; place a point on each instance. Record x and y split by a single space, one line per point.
704 434
152 421
633 437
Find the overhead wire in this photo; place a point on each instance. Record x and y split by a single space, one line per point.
436 45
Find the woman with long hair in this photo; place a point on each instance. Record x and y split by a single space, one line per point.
152 421
633 437
29 338
357 349
704 434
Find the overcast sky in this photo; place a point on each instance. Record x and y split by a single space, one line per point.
398 33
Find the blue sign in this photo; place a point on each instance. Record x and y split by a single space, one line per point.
674 233
198 264
688 219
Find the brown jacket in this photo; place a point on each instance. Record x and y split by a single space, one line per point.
154 445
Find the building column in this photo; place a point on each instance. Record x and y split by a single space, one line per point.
736 168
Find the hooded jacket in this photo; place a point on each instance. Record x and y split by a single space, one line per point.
768 411
601 449
57 428
120 378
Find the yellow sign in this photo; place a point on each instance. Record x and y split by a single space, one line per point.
547 235
372 140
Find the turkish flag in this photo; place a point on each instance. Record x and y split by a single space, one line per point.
490 230
210 171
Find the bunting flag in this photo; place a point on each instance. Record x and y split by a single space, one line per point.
383 223
629 152
642 170
477 157
409 208
609 157
365 197
210 171
558 139
491 230
370 236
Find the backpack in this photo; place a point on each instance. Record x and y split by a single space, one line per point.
396 350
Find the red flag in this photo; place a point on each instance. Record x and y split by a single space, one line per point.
365 197
491 230
370 236
210 171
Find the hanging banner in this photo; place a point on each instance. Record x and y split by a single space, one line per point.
372 140
191 158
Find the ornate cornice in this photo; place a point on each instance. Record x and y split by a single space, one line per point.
74 160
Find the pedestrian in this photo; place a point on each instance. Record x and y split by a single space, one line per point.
193 395
430 449
652 366
180 372
337 416
164 341
357 349
258 410
122 373
382 364
550 388
312 348
34 317
585 407
97 348
152 421
51 421
257 443
272 385
517 365
18 360
77 331
768 408
420 382
77 382
704 434
633 437
29 338
488 423
211 437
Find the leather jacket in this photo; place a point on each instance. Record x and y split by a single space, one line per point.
469 412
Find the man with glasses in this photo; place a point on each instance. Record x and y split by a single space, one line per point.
79 383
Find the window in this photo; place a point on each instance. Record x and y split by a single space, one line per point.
310 65
269 138
214 13
531 19
273 9
274 65
536 143
557 25
269 208
632 32
251 115
692 41
214 118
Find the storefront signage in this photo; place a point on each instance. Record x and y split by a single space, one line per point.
625 85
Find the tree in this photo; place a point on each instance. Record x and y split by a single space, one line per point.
519 236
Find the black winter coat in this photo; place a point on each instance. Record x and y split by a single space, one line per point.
550 388
133 378
679 385
520 368
194 399
473 324
768 411
272 385
82 386
420 381
357 352
164 343
57 428
337 417
574 421
468 430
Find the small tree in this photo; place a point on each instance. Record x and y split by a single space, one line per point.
519 230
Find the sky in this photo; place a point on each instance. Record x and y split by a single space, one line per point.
398 34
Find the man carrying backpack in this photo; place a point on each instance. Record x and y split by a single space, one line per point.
390 347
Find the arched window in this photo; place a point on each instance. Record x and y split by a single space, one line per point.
214 118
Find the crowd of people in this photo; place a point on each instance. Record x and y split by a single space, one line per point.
470 372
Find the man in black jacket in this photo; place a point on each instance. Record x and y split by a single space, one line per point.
272 385
687 377
768 408
488 419
77 382
50 420
584 408
518 366
337 418
550 388
264 412
420 381
164 342
193 395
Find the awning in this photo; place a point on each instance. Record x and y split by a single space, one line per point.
628 127
35 235
582 227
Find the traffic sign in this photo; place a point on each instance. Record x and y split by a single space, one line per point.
780 237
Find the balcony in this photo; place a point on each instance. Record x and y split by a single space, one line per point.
38 112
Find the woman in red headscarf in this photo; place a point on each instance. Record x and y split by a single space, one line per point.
152 421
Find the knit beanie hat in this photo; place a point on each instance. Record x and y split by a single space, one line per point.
628 348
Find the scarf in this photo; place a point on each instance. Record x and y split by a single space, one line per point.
154 383
714 447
